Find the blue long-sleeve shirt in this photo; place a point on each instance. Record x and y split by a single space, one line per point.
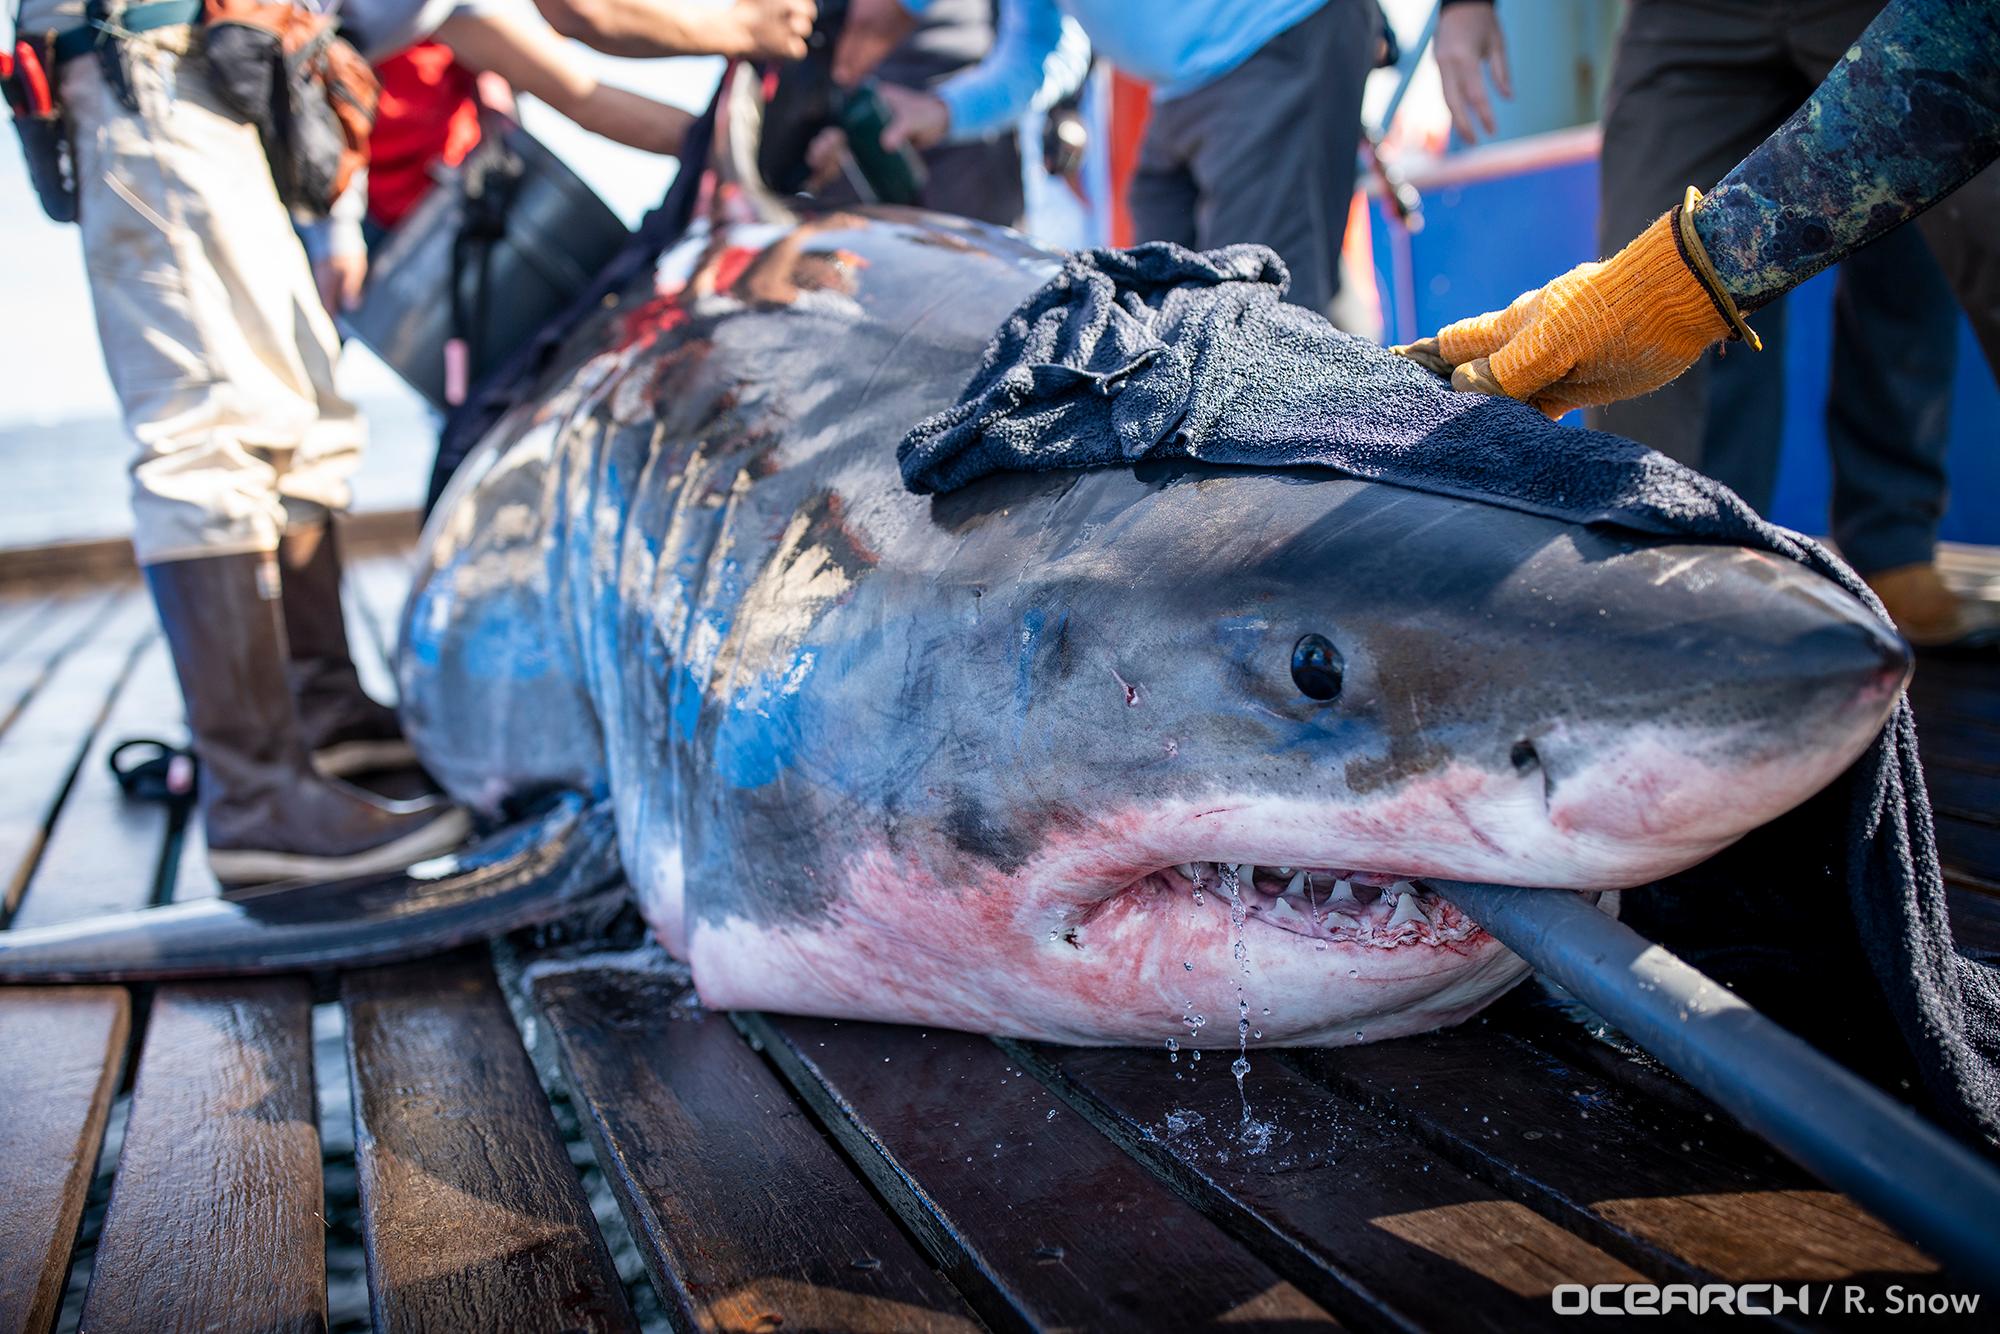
1176 46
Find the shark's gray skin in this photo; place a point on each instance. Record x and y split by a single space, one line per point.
1051 756
989 760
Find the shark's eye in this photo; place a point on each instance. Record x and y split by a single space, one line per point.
1316 667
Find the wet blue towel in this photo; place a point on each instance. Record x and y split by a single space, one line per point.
1158 352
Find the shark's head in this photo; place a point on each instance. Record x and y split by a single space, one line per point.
1160 750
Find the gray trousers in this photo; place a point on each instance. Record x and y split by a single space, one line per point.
1266 153
1695 86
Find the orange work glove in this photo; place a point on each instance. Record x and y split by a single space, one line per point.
1608 330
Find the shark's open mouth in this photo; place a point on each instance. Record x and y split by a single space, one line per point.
1332 904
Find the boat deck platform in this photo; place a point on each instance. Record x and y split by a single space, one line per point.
581 1147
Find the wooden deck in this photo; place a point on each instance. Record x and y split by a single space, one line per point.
772 1173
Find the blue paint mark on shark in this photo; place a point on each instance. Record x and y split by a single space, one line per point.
758 735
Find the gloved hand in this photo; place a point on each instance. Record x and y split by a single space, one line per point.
1608 330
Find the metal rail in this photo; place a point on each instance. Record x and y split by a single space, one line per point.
1930 1187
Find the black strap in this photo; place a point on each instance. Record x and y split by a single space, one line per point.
166 774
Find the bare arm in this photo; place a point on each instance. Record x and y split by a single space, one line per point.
528 54
751 29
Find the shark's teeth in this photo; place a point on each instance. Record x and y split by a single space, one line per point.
1407 910
1280 912
1283 870
1343 892
1297 883
1192 870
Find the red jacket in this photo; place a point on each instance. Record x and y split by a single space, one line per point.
428 114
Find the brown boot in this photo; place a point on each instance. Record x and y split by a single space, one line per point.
347 732
269 814
1931 616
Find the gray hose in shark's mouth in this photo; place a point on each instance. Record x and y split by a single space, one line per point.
1930 1187
556 863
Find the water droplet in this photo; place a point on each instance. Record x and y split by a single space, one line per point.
866 1262
1049 1254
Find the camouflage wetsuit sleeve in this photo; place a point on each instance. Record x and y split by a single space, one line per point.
1909 114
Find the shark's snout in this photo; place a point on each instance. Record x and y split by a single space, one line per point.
1863 658
1764 682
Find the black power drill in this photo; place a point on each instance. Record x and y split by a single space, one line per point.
807 100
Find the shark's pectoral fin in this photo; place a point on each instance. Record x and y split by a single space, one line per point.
545 867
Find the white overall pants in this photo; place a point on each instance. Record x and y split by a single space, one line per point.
217 344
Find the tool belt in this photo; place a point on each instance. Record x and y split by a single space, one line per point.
29 73
275 63
25 72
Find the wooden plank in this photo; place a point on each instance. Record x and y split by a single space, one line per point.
377 588
65 624
1966 690
1969 852
59 625
21 614
747 1218
1963 794
62 1050
1682 1195
1956 746
1040 1220
1360 1215
215 1219
103 852
1975 922
99 559
192 878
470 1206
48 741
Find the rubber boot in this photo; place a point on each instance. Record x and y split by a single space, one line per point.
269 814
347 732
1934 618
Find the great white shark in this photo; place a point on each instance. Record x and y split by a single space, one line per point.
1081 756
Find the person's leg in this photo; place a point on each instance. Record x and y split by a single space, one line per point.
1162 195
1271 145
1894 357
346 731
1964 234
1743 413
1888 423
209 322
1888 412
1695 85
213 334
